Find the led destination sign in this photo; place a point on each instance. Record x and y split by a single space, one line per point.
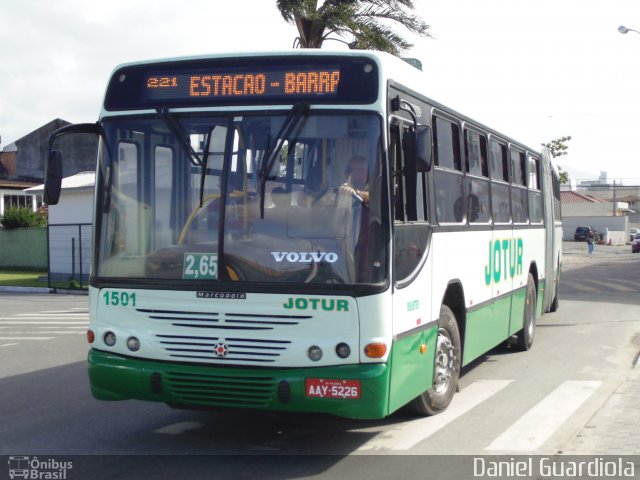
246 84
260 80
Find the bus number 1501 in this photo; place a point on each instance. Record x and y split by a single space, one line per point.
123 299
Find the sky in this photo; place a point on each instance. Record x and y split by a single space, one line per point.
534 70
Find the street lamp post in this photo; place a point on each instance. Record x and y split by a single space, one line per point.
624 30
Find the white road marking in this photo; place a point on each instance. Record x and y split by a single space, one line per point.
52 332
531 430
50 313
44 323
179 428
50 322
8 344
27 338
65 312
409 434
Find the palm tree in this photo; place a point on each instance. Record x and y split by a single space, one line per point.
366 20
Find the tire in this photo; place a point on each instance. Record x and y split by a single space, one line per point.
526 336
555 303
446 369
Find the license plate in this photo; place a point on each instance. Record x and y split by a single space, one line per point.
332 388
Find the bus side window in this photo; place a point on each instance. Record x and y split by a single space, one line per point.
500 197
535 195
397 184
449 179
477 187
410 234
519 196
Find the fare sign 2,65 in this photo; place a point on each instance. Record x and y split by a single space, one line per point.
200 266
332 388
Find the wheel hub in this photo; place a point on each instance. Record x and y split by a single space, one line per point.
445 359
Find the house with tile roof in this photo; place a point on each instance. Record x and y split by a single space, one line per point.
607 217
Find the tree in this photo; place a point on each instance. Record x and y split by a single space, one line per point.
564 175
366 20
558 147
15 217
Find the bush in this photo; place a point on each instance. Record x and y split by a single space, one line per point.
23 217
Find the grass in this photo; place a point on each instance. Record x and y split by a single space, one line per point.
22 278
26 278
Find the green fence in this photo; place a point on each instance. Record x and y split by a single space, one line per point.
24 248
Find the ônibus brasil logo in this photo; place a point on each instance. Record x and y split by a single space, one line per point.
34 468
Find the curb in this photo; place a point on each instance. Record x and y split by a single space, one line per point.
43 290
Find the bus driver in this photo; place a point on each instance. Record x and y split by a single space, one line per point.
357 177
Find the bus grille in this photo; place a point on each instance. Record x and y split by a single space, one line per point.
237 349
224 321
221 390
217 337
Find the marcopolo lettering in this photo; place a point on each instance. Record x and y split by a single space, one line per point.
223 295
327 304
505 260
305 257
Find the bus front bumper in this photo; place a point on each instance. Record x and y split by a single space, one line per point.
352 391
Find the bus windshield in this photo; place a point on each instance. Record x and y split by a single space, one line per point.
197 198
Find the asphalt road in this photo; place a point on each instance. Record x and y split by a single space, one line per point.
581 354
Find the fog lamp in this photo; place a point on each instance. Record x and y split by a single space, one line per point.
133 344
315 353
109 339
343 350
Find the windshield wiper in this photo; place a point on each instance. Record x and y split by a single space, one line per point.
177 131
271 153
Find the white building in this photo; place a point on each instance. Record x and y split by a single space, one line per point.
70 227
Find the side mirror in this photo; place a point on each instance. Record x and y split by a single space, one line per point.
423 149
53 178
53 167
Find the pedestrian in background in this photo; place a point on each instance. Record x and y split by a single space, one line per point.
590 242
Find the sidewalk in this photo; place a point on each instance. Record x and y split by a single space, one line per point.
615 428
19 281
66 291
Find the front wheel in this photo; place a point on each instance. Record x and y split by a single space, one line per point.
446 369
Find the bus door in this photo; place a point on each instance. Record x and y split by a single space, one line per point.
412 264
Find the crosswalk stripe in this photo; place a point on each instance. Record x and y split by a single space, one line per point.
45 323
62 312
45 317
50 332
531 430
27 338
179 428
413 432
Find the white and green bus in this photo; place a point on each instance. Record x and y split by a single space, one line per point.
241 260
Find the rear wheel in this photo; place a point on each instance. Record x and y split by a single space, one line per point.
527 334
446 368
556 298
